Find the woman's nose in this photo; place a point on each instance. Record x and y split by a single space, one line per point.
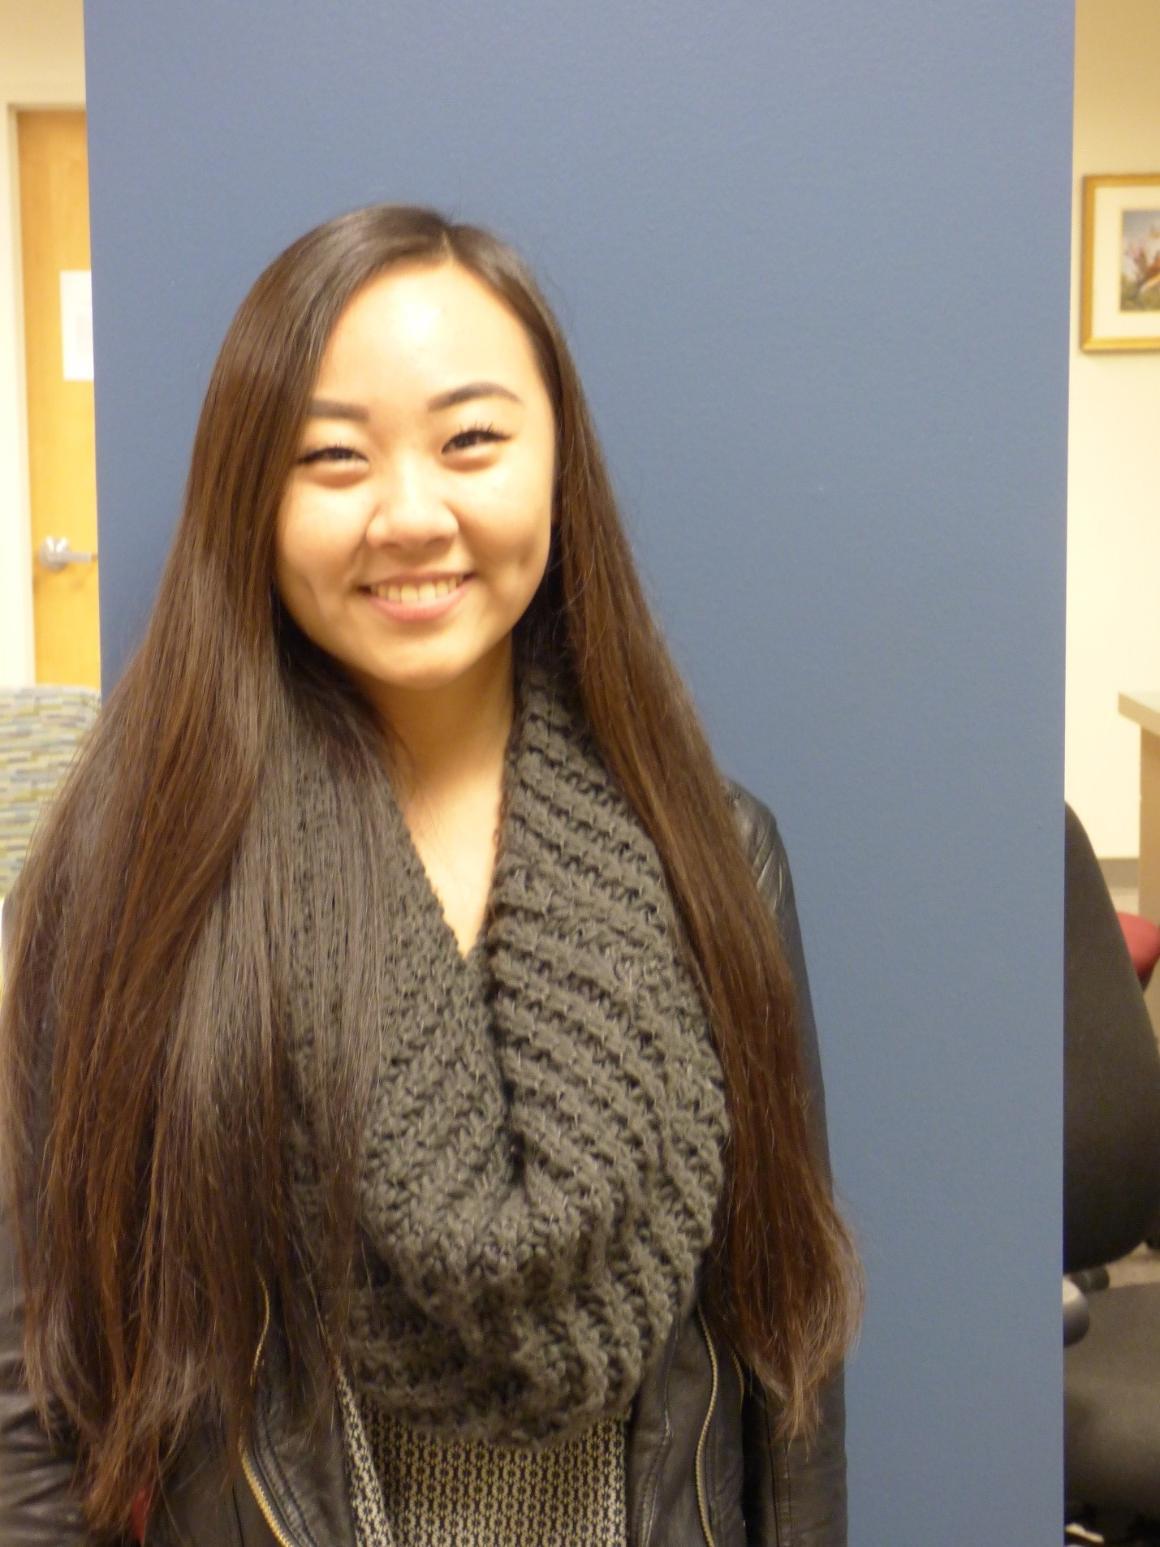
410 510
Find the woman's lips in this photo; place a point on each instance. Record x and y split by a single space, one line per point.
417 601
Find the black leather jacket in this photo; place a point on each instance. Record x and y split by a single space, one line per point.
703 1466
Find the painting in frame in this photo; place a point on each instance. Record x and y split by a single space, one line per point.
1120 293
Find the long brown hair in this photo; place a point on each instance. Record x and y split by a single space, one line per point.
141 1052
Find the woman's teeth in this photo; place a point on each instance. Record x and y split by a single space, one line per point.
425 591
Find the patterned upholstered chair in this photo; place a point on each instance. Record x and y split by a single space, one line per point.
40 731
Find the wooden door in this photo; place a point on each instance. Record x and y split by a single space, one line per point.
54 230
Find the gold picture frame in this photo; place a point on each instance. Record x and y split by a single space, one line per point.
1120 282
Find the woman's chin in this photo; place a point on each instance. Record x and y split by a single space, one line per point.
434 677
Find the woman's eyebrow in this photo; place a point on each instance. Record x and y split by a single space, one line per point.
473 389
328 408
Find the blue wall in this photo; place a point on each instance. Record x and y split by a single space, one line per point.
814 262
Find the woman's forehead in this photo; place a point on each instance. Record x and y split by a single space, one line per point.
423 322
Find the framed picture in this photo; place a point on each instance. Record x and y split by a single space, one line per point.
1120 296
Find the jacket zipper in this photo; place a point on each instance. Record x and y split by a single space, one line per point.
257 1488
262 1499
702 1502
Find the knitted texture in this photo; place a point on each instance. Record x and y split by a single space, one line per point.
542 1159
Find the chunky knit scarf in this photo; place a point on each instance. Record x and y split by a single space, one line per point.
542 1159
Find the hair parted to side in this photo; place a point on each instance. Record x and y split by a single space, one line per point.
141 1063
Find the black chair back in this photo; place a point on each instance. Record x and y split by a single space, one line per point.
1111 1170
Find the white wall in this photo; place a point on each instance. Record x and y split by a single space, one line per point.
1113 521
41 65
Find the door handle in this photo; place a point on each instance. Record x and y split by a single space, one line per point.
55 553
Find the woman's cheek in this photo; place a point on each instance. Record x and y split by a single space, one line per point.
334 523
515 509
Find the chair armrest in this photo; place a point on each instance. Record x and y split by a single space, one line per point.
1076 1316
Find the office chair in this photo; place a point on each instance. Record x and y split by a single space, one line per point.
40 730
1111 1194
1143 941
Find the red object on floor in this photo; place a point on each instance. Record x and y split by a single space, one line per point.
1143 940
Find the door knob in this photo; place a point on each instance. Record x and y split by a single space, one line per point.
55 553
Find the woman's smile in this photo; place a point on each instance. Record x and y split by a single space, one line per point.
419 599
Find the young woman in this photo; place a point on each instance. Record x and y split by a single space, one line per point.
414 1128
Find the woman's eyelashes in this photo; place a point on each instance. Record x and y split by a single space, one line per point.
475 435
329 454
469 439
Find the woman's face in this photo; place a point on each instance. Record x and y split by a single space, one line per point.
415 526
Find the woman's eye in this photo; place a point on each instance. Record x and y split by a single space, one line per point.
477 435
329 454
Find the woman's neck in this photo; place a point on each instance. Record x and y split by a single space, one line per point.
453 735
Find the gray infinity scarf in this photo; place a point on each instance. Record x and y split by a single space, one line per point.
543 1156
